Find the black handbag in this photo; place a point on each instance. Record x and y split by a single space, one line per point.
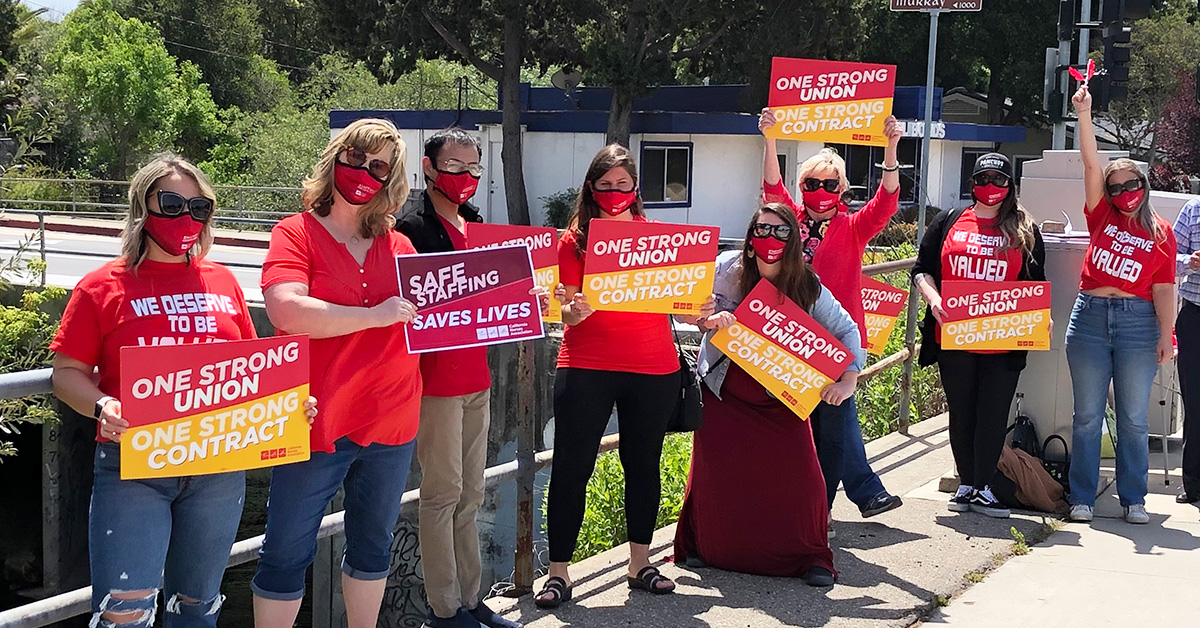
689 413
1058 468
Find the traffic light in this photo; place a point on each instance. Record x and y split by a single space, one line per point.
1114 83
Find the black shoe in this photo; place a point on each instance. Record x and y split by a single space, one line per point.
818 577
461 619
880 504
984 503
489 618
1185 497
961 502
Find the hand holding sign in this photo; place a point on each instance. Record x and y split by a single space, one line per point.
112 425
393 311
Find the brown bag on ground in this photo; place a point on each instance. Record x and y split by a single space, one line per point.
1034 487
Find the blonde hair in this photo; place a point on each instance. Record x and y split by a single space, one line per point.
1146 217
369 135
827 156
145 182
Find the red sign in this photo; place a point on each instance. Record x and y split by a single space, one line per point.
783 348
470 298
830 101
543 249
650 267
996 315
213 407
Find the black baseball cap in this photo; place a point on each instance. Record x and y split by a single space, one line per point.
993 161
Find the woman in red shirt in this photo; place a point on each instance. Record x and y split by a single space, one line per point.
330 273
1121 325
833 241
173 533
995 239
606 359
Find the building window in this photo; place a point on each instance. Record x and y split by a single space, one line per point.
863 168
667 174
969 155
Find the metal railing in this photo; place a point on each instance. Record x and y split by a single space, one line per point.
229 197
522 469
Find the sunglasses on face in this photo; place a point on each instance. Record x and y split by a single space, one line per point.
172 205
780 232
377 168
830 185
454 166
1131 185
996 179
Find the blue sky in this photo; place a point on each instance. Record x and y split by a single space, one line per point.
57 8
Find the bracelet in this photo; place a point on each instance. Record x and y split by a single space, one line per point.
891 168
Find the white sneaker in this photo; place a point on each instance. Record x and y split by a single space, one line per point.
961 502
1081 513
1136 514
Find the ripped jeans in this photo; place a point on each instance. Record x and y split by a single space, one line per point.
171 534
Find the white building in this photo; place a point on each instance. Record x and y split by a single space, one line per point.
700 157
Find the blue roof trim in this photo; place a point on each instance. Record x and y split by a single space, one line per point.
966 132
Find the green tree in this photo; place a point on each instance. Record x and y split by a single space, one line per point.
9 23
125 93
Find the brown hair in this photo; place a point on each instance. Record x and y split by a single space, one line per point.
1145 216
145 181
1015 222
796 279
369 135
609 157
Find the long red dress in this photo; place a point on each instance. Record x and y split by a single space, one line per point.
755 500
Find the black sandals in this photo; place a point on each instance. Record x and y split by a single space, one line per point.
648 579
556 586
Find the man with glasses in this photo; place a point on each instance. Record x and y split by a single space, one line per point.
453 436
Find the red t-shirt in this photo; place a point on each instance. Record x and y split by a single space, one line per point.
837 245
159 304
1124 256
367 383
459 371
613 341
974 250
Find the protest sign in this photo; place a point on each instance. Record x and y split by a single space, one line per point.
543 250
830 101
213 407
882 304
649 267
469 298
783 348
996 315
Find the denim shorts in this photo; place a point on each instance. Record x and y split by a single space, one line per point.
374 478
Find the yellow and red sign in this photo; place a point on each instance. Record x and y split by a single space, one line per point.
649 267
783 348
214 407
831 101
996 315
882 304
543 250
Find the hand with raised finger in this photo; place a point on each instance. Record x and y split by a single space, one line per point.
112 426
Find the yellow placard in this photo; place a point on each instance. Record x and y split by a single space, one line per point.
848 122
664 290
548 278
879 330
265 432
788 378
1028 330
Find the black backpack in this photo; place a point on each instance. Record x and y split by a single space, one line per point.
1024 434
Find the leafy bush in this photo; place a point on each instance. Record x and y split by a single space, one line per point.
13 189
559 207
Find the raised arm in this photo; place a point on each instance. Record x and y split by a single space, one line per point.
1089 150
771 174
891 156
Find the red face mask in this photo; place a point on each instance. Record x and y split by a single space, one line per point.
459 187
1129 201
614 202
821 201
175 235
356 185
768 249
990 194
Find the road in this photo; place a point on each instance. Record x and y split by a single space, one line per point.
78 254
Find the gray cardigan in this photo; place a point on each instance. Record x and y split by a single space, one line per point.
827 311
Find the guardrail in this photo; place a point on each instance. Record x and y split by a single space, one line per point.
522 469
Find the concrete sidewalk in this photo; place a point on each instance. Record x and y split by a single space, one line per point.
893 568
1108 573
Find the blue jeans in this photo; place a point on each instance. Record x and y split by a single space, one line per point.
1111 340
374 478
173 533
842 454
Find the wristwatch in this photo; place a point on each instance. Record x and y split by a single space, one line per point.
100 403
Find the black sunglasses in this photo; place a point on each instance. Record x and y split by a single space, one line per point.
830 185
1131 185
378 168
172 205
998 179
783 233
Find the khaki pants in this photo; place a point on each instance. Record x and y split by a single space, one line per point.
452 449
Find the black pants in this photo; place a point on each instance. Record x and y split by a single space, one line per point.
1187 333
829 436
979 390
583 402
